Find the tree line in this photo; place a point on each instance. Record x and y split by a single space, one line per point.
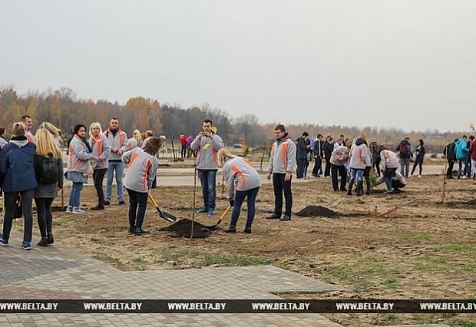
62 108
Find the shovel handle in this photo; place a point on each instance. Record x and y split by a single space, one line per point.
225 212
153 201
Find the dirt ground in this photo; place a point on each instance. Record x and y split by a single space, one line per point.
399 246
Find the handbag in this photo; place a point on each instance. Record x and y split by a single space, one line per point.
18 213
89 169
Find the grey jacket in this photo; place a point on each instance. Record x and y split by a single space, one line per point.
207 149
141 171
283 157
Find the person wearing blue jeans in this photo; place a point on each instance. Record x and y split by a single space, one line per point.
239 174
208 181
118 141
206 144
116 167
80 153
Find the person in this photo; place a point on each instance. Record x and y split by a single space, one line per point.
49 175
405 150
17 178
134 141
389 166
419 155
239 171
102 150
282 160
183 143
207 145
148 135
117 140
398 181
328 148
28 122
338 162
54 131
461 154
80 153
318 151
301 155
3 137
190 152
449 152
472 153
359 160
375 158
141 172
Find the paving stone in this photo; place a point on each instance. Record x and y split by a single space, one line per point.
60 273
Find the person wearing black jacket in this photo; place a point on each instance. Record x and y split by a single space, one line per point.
328 148
318 151
420 154
449 153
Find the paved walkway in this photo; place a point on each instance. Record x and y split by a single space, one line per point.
59 273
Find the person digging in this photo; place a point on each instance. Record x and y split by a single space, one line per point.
239 174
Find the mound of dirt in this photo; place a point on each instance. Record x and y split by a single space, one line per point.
183 228
317 211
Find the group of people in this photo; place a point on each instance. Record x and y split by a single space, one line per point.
356 159
31 167
463 152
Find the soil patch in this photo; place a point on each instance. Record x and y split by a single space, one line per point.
183 228
317 211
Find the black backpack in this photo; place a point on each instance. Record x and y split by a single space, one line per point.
48 170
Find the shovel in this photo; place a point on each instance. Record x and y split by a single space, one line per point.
167 216
220 219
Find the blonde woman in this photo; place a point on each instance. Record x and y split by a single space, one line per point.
135 140
242 176
49 174
100 149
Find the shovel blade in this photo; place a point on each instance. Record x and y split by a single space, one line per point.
167 216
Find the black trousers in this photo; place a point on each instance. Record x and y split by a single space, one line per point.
317 166
98 177
343 177
10 203
280 186
45 216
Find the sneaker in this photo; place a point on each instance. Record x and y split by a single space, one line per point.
419 176
106 203
211 212
69 209
43 242
285 218
203 210
50 239
4 241
230 229
389 191
78 211
273 216
26 245
121 203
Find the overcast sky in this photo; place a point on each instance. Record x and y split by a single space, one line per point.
404 64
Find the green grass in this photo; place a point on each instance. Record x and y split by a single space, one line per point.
107 258
457 248
231 261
